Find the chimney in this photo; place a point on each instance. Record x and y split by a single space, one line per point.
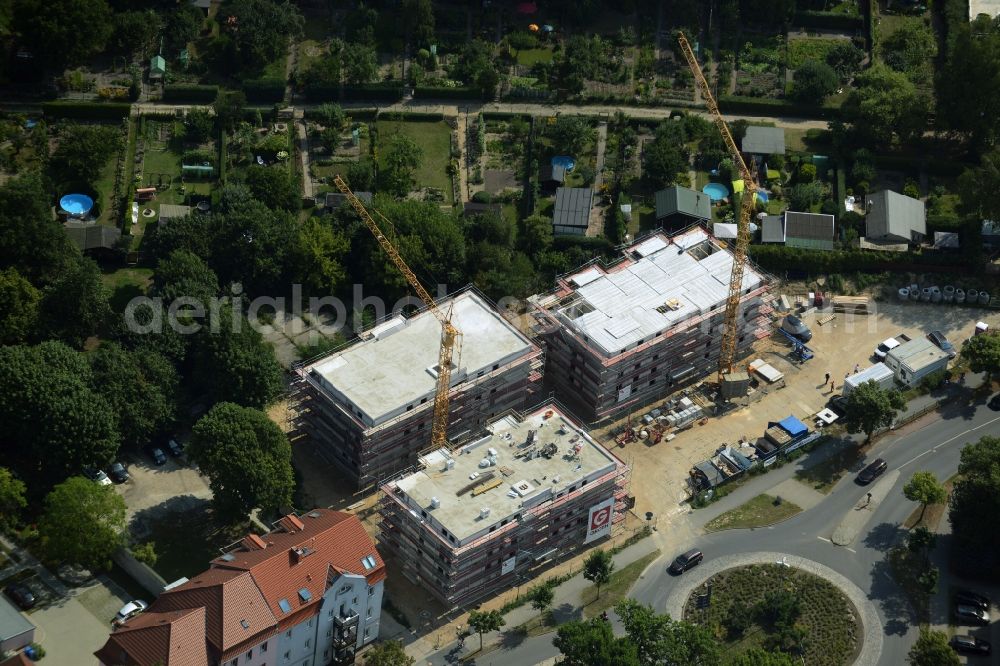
292 524
253 542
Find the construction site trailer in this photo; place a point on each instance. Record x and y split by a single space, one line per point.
879 373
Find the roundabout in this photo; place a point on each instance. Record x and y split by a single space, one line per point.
870 629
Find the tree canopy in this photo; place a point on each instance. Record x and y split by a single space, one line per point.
968 82
983 353
593 643
275 187
974 507
62 33
402 156
923 487
83 522
183 273
814 82
260 29
246 457
82 152
845 59
75 306
12 500
388 653
932 649
597 568
870 407
18 307
485 621
886 107
666 156
26 221
910 49
977 188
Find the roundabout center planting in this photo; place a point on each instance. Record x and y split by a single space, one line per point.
779 608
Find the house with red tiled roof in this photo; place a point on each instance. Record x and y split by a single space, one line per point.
308 593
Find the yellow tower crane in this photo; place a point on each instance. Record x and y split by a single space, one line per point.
731 326
449 334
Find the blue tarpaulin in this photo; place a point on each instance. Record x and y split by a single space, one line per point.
793 426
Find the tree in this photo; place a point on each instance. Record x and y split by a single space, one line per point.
477 66
983 353
484 621
83 523
663 161
388 653
135 33
246 457
183 273
275 187
845 59
886 106
535 234
761 657
924 487
541 597
332 116
182 25
260 30
141 388
12 501
76 305
361 176
967 86
570 134
402 156
82 152
593 643
920 540
660 640
597 568
911 50
319 256
870 407
814 82
418 20
235 364
974 506
228 107
18 307
26 221
932 649
62 33
198 124
977 188
360 63
803 196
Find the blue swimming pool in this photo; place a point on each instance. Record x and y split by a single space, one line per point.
76 205
716 191
564 161
762 196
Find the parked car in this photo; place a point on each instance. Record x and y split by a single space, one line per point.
970 598
118 473
21 595
971 645
838 405
872 471
794 326
971 615
686 561
994 403
885 347
158 456
129 610
174 448
97 476
937 337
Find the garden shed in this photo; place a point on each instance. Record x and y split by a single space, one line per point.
198 170
895 217
678 207
572 211
157 68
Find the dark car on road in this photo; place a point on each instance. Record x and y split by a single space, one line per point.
969 598
175 449
994 403
872 472
971 645
21 595
686 561
937 337
118 473
971 615
158 456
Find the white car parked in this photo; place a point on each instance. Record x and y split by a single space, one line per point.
128 611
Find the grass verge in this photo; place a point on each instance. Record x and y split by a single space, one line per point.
824 475
934 512
617 588
761 511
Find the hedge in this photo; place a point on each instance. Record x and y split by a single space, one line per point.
831 20
190 93
264 90
778 259
932 165
411 115
391 91
86 110
504 115
427 92
764 106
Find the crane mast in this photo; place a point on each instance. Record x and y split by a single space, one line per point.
449 334
731 325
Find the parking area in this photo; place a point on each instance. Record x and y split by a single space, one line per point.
154 488
69 631
659 471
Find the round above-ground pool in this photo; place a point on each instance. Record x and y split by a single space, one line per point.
564 161
716 191
76 205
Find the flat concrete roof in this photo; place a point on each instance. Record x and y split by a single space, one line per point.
536 479
391 370
664 281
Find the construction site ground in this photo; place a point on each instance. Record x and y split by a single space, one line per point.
660 471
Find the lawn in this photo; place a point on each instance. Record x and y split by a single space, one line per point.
179 557
529 57
125 284
802 50
760 511
434 139
106 190
617 588
824 475
829 621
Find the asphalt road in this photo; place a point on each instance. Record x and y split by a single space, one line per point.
932 443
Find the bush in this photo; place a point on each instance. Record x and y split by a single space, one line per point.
482 197
85 110
831 20
145 553
39 650
778 258
763 106
190 93
264 90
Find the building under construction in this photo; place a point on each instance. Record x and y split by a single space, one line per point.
370 404
620 336
478 519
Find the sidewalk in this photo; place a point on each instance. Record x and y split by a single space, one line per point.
566 606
